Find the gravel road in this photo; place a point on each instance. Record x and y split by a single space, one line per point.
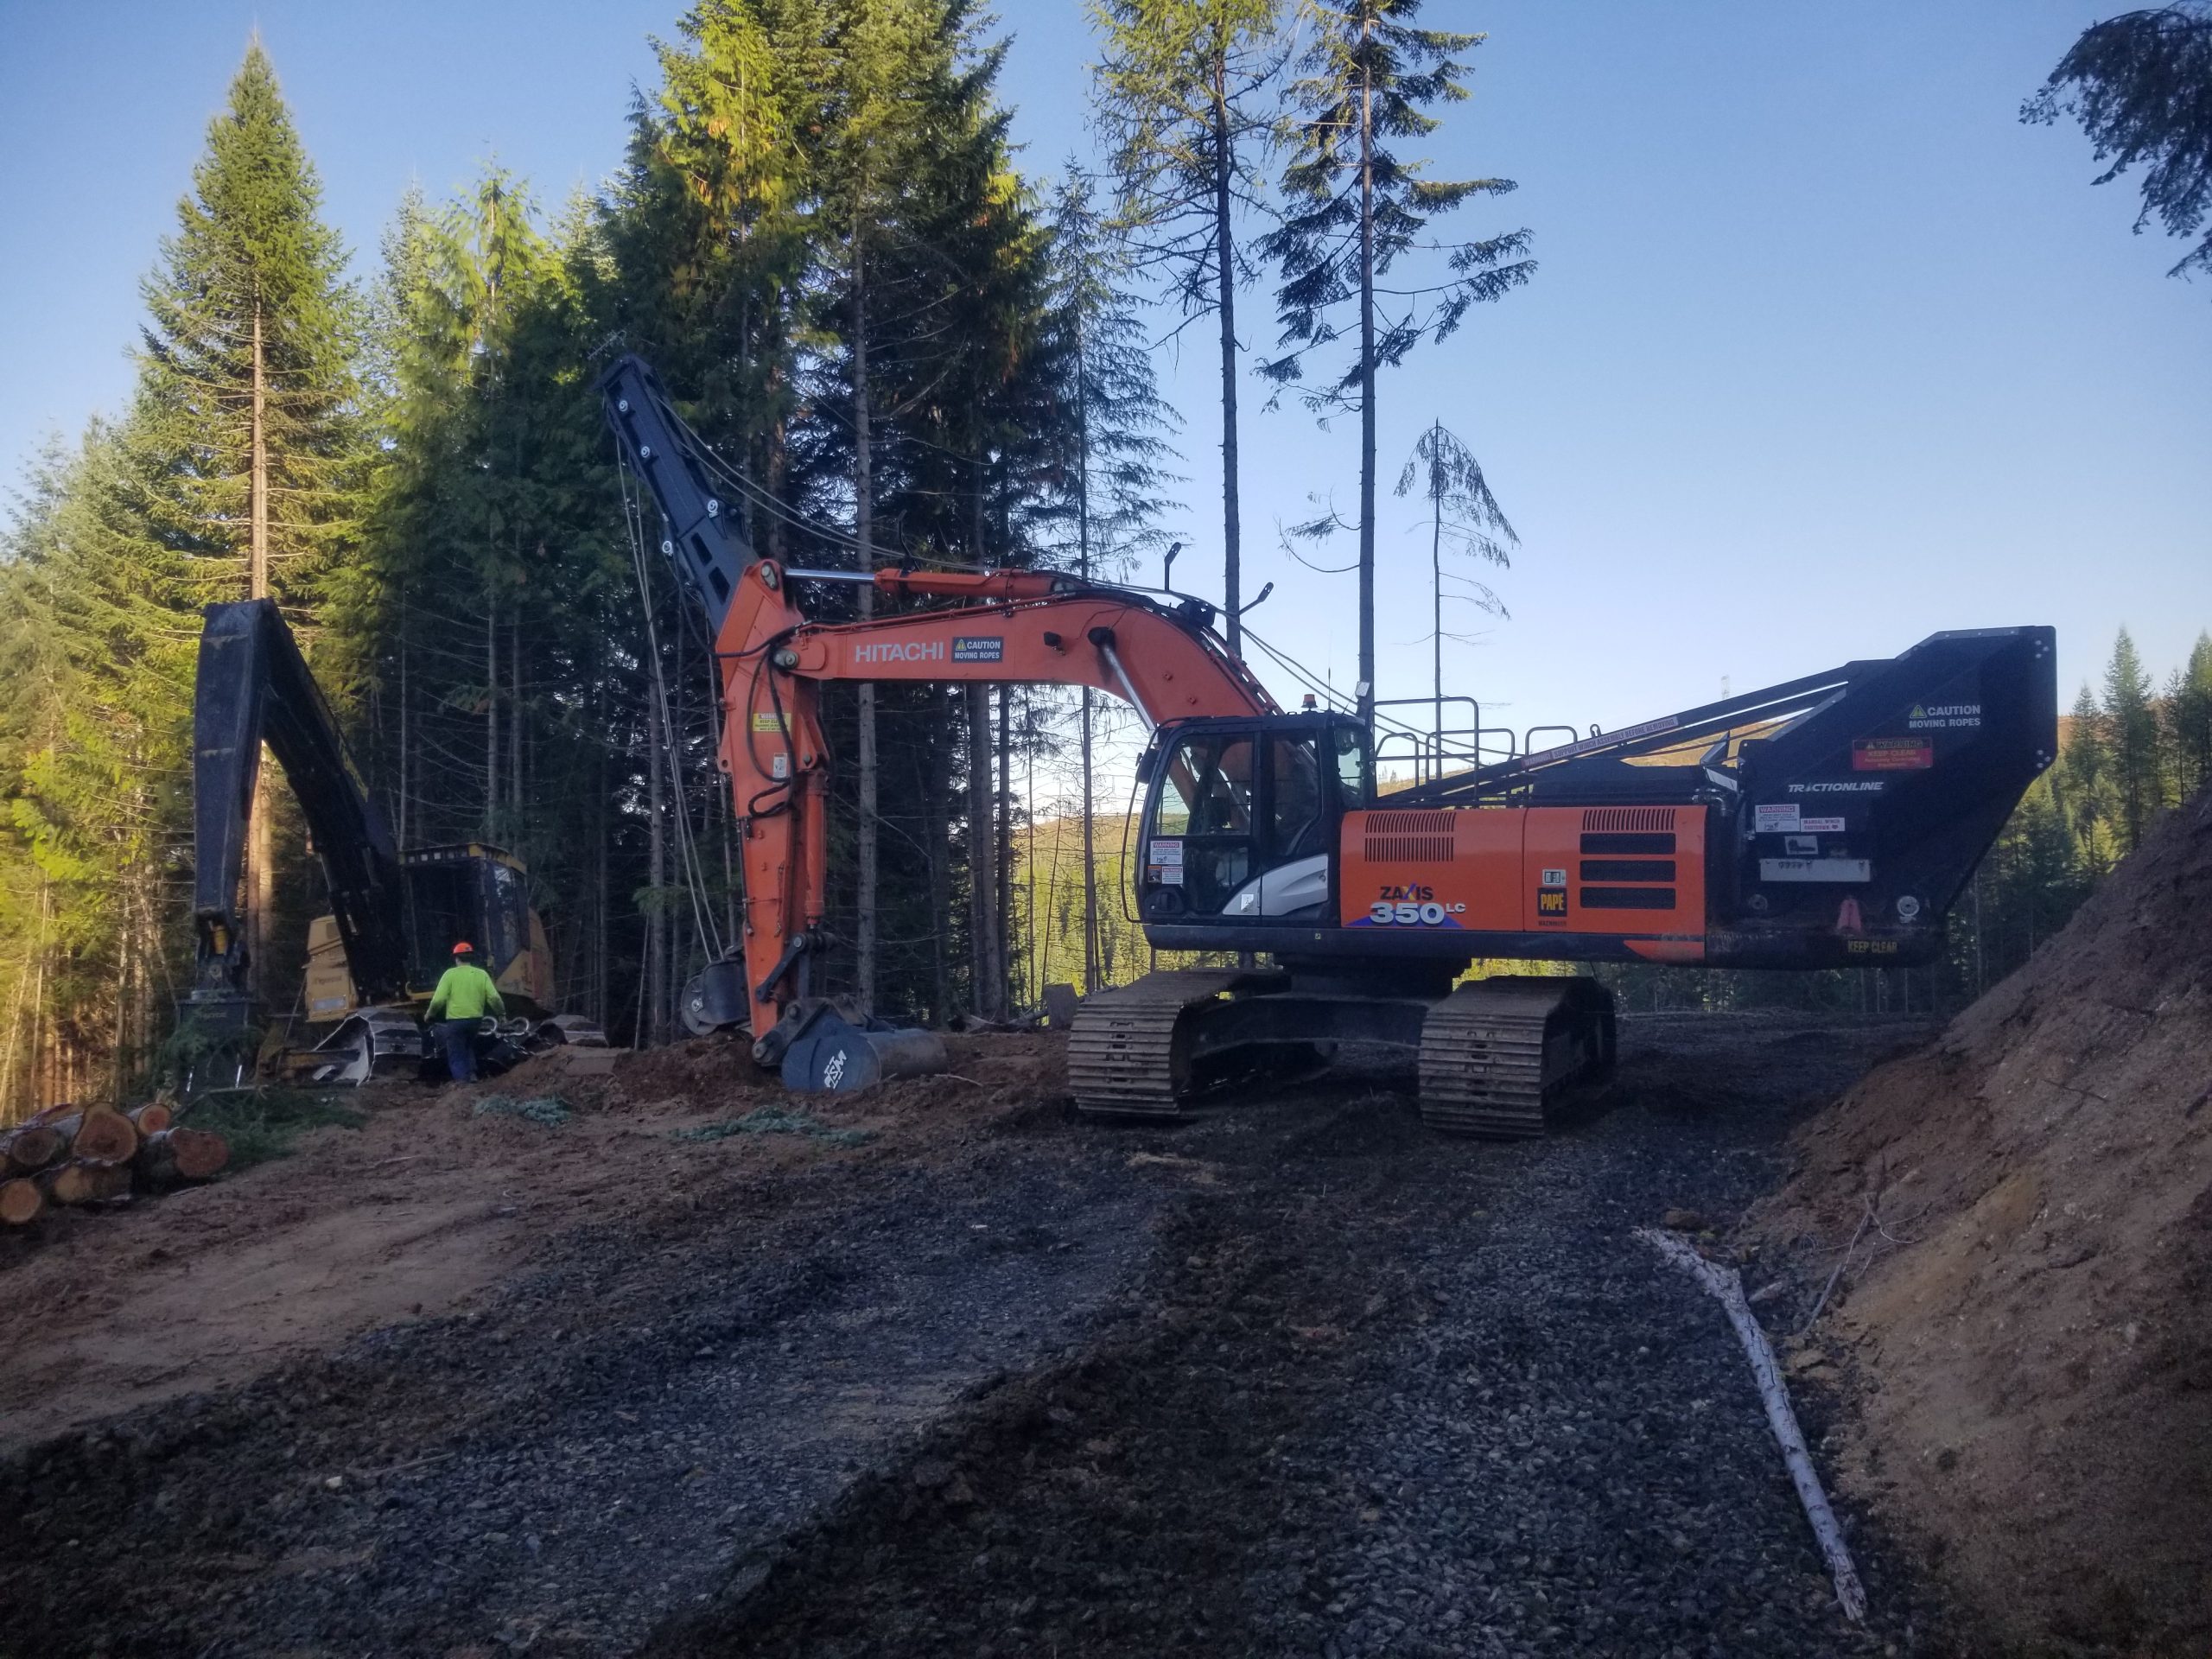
1296 1378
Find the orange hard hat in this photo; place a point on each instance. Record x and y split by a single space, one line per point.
464 949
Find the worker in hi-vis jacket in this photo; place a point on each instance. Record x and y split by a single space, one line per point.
465 994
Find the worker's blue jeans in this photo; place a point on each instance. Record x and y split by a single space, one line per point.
461 1049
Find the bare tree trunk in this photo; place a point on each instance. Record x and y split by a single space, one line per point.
406 746
930 780
1226 299
1090 976
599 1009
1436 586
492 703
1091 964
983 853
1366 392
514 708
1004 962
261 835
864 919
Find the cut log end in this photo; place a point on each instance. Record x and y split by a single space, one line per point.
171 1157
152 1118
32 1148
21 1203
99 1135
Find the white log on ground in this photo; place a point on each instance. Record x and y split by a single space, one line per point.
1727 1286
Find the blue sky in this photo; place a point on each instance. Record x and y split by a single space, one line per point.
1826 351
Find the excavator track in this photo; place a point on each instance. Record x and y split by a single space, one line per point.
1495 1051
1129 1050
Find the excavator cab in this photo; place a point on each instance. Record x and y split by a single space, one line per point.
1242 815
470 892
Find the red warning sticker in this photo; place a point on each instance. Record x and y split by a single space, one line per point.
1891 754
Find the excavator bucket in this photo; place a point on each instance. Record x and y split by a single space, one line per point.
833 1055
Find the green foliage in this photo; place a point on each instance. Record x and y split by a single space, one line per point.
773 1120
1185 107
251 326
547 1111
1356 204
2140 85
259 1124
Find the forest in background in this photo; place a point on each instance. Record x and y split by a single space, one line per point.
900 346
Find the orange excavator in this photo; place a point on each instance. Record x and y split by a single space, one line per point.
1829 822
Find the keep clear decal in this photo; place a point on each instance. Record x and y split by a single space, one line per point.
1164 863
1892 753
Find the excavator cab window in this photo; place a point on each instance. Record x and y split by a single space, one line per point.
1242 815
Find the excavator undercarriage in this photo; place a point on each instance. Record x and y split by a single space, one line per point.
1492 1053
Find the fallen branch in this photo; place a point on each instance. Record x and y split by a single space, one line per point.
1814 1317
1726 1285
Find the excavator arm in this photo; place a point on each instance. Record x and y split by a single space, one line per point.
253 687
1016 626
994 626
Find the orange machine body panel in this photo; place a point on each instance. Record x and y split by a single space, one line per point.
1633 873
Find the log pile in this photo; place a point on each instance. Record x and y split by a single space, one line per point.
93 1154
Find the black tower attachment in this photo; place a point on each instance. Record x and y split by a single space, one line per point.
253 687
705 542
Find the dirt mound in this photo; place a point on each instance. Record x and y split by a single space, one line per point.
2033 1340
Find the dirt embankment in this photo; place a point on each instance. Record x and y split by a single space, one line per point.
2033 1340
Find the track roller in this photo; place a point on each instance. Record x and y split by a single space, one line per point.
1495 1051
1129 1050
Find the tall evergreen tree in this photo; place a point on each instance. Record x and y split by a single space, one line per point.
1185 93
1355 207
2189 719
245 418
2131 737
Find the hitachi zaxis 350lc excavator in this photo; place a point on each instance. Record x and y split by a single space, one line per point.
1837 834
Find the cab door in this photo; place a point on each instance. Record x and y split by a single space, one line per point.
1241 822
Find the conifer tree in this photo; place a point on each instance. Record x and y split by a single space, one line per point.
1355 207
2189 719
245 422
2131 737
1185 92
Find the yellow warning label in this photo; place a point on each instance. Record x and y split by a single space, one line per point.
767 722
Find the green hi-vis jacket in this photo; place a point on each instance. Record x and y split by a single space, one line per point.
465 992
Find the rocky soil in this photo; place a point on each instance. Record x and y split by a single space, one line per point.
1297 1377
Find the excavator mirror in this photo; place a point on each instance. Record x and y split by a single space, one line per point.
1149 762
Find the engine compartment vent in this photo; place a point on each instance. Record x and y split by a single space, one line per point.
1630 820
1425 838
